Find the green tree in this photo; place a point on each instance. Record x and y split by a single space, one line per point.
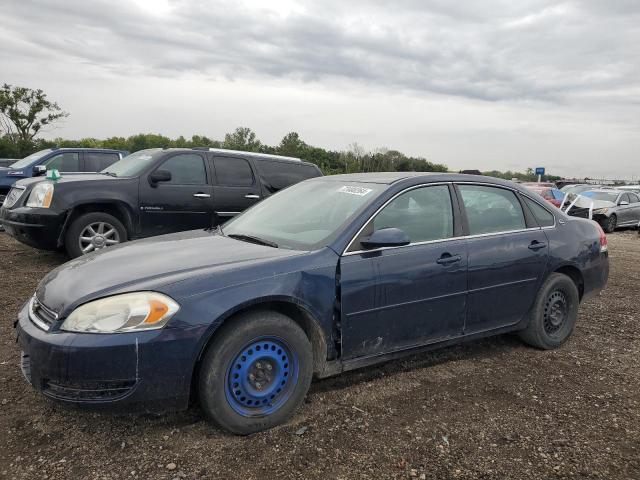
25 112
242 138
291 145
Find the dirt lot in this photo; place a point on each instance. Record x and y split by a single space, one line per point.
489 409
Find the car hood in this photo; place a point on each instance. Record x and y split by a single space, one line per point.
149 264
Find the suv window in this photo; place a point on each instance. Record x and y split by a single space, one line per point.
234 172
186 169
96 161
65 162
423 213
491 209
277 175
544 217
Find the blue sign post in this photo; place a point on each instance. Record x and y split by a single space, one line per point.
539 172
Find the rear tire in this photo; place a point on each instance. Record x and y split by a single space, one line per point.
113 230
554 313
255 373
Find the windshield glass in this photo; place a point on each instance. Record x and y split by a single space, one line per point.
26 161
132 165
577 188
609 197
306 215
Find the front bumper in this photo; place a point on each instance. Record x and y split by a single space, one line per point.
36 227
144 371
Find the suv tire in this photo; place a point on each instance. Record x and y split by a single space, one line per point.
107 228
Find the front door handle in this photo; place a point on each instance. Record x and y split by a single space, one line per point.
447 259
536 245
252 196
202 195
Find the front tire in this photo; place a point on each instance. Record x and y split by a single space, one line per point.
554 313
609 224
93 231
256 372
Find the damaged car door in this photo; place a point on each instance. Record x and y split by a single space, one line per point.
399 296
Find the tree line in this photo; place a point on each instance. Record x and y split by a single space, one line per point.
25 113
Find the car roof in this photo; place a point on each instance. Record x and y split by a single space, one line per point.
389 178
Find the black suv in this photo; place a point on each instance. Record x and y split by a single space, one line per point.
150 192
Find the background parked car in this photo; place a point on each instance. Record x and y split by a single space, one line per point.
610 208
551 194
6 162
62 159
150 192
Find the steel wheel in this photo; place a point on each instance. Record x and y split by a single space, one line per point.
98 235
555 312
261 377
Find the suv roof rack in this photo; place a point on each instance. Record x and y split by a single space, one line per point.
249 154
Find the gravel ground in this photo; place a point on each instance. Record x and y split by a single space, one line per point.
492 409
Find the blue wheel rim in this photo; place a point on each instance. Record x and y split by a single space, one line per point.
261 377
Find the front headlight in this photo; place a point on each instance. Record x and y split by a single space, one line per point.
122 313
41 195
601 210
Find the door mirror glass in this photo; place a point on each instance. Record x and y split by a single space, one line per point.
39 170
623 203
160 176
386 237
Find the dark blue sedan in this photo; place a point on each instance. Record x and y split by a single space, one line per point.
331 274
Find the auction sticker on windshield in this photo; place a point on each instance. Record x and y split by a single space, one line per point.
360 191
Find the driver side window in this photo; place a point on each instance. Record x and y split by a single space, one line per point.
424 214
64 162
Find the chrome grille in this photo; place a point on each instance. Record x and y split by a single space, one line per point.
40 315
13 196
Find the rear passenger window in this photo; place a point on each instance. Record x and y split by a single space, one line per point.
634 198
278 175
65 162
422 213
186 169
233 171
491 209
543 216
96 161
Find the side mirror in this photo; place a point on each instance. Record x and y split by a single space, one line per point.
39 170
386 237
623 203
159 176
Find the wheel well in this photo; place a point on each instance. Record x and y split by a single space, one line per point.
114 209
298 314
574 274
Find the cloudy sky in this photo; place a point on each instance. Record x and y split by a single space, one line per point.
497 84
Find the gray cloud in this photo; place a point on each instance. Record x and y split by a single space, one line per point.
495 50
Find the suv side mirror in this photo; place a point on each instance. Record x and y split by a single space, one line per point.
623 203
159 176
39 170
386 237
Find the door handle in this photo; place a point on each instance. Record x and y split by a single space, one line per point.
447 259
202 195
536 245
252 196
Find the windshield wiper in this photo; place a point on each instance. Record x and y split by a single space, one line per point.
252 239
111 174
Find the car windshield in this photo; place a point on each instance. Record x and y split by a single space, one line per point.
607 196
132 165
26 161
304 216
577 188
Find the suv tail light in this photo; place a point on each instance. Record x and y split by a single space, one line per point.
603 239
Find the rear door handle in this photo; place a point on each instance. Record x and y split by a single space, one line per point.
202 195
447 259
252 196
535 245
